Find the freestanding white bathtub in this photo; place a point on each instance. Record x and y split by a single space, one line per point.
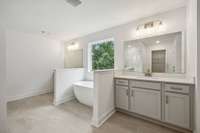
83 91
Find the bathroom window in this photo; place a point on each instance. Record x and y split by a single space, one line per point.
101 55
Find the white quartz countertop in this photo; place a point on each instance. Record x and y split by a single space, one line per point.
159 79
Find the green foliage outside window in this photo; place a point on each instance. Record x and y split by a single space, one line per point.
103 56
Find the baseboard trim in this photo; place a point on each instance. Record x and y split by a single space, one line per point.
103 118
63 100
31 93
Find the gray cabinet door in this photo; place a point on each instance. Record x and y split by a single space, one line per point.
146 102
177 109
122 97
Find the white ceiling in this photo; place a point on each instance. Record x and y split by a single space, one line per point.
65 22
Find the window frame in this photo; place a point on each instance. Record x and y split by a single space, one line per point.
89 53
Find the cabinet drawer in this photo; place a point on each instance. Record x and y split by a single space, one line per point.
121 87
121 82
177 88
144 84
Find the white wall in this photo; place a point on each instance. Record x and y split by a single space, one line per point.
191 38
30 62
198 70
3 108
63 80
103 97
192 57
174 20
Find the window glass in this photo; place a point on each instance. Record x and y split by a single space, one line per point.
102 55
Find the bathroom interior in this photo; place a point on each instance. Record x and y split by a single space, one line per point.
137 68
138 76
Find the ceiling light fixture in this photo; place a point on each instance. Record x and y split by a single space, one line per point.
45 33
74 3
157 42
150 28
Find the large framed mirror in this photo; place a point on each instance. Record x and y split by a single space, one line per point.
158 54
73 58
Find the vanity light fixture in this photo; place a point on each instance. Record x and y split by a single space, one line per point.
73 46
150 28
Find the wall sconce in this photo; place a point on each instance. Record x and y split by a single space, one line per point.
73 46
150 28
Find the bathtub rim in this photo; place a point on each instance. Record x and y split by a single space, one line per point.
78 83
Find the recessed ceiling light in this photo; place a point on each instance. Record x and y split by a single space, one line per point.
157 42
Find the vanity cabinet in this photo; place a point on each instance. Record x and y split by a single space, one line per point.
122 94
167 103
146 102
178 105
122 97
145 98
177 109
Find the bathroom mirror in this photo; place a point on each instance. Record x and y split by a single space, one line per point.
73 58
158 54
